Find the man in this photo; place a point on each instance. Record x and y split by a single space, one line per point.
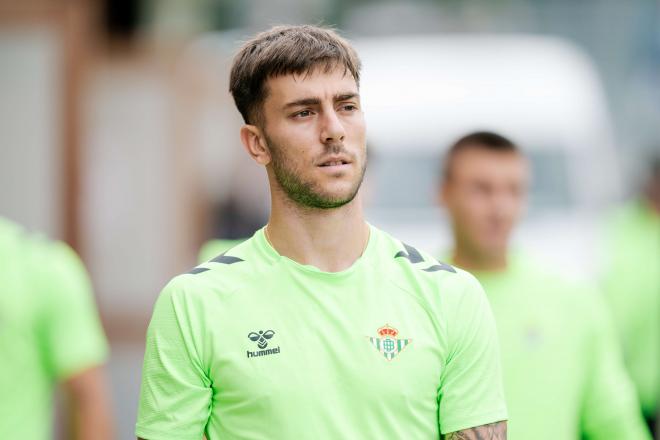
563 373
632 285
49 335
320 326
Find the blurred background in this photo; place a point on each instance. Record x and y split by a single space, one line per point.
118 135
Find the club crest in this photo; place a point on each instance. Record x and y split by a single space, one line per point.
387 342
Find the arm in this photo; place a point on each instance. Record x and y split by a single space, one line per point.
610 408
176 391
492 431
89 406
73 341
470 393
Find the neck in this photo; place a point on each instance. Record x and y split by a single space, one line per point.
471 259
329 239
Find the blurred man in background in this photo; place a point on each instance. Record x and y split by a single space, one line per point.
320 326
632 285
50 335
563 373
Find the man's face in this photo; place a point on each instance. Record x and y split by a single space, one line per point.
485 196
315 130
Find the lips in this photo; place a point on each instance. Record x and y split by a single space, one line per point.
334 161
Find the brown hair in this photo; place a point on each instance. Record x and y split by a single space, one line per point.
285 50
485 140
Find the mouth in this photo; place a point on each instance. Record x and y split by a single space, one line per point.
334 162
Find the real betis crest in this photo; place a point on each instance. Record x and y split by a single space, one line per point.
387 342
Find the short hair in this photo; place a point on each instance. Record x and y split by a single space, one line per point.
485 140
285 50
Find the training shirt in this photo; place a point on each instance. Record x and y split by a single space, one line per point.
254 345
563 372
632 284
49 329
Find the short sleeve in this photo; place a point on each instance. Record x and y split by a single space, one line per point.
471 392
610 407
175 396
71 334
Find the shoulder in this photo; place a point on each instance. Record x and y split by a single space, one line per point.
17 242
39 257
573 295
9 230
629 221
406 256
419 271
46 274
222 274
215 247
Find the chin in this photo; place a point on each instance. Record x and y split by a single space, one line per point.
343 196
338 187
488 245
495 250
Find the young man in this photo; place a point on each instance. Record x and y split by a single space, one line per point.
50 335
563 373
320 326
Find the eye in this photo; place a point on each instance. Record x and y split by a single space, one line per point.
302 114
349 107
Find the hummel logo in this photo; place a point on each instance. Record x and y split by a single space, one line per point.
261 338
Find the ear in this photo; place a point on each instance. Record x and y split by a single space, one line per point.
254 144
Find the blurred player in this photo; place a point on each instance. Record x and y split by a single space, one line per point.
320 326
49 335
563 373
632 284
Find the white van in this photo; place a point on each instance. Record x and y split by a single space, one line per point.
420 93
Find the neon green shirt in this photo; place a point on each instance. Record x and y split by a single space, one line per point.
253 345
49 329
563 372
632 285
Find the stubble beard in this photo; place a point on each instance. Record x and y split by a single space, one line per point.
303 192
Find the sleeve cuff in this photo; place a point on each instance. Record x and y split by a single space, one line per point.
460 423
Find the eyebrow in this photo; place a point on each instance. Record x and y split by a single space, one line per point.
317 101
345 96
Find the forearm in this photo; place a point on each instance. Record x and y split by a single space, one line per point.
89 406
492 431
92 422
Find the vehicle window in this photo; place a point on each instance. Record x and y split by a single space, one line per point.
402 181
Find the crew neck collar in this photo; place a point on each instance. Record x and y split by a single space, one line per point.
273 255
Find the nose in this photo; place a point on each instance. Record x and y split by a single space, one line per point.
332 129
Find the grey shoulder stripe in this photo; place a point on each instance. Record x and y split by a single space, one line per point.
412 254
226 259
441 266
197 270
